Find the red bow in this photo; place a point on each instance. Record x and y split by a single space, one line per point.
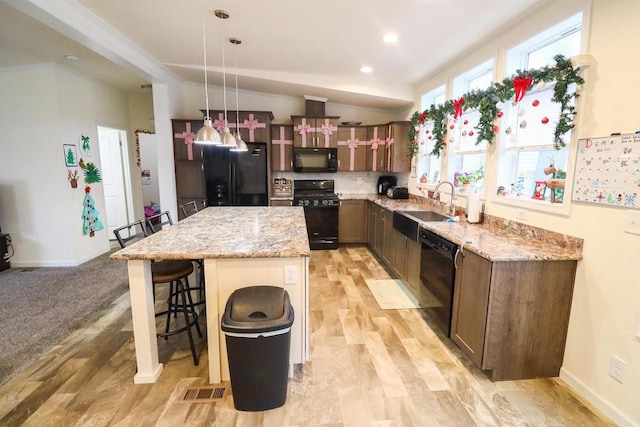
520 84
422 118
458 103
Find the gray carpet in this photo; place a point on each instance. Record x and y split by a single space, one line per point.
39 307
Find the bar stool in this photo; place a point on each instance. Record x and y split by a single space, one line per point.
156 222
176 274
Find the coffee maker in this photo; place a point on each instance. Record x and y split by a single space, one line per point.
385 182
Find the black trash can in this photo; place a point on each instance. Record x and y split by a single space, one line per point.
257 325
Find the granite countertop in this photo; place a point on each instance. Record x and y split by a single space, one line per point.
482 239
496 246
227 232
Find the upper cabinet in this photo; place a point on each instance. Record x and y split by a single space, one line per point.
282 148
397 158
255 126
315 131
190 182
376 148
352 148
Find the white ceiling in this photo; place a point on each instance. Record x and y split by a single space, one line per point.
289 47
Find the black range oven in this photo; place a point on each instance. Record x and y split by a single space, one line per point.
320 210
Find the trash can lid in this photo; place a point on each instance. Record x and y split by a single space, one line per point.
257 309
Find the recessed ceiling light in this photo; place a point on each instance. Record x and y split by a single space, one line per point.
72 57
366 69
390 38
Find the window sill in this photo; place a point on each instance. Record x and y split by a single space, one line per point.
535 205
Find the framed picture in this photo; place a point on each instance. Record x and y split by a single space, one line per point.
70 155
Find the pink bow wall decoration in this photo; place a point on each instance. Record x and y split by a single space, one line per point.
188 140
389 142
327 130
220 123
374 148
253 124
351 144
303 129
282 143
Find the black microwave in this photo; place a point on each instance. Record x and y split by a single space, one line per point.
315 159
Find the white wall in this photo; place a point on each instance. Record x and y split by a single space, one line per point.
42 108
282 107
606 302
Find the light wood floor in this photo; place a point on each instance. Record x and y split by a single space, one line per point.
368 367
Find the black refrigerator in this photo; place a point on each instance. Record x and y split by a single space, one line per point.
236 178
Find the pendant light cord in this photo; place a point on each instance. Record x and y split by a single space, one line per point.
206 82
235 52
224 86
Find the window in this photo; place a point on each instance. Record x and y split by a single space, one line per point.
467 156
428 165
527 157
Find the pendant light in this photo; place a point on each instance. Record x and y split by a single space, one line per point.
240 144
207 134
228 140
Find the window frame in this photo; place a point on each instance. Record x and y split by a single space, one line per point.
427 100
515 58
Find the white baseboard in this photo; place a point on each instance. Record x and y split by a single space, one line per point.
599 402
66 263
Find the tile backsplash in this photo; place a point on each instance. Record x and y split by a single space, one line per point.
347 182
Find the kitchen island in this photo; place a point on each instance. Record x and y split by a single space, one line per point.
240 246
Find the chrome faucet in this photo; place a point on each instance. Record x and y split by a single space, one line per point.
436 195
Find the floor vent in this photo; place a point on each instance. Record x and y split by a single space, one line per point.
203 394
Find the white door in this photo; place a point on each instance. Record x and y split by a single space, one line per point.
112 179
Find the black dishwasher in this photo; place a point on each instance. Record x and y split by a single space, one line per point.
438 274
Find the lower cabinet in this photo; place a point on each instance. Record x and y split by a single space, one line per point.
511 317
387 237
352 221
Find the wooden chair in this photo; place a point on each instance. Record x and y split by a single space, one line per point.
174 272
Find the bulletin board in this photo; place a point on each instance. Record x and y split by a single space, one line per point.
608 171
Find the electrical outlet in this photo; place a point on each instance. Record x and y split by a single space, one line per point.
616 369
359 180
521 214
290 274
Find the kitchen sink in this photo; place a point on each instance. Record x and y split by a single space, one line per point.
424 215
408 222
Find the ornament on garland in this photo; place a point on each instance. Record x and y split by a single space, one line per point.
91 172
535 103
90 221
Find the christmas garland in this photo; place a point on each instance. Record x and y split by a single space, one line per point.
487 102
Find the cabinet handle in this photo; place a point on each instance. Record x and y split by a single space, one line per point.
455 258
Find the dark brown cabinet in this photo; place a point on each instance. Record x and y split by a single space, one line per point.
376 228
352 148
282 148
255 126
397 154
376 148
352 222
190 182
511 317
315 131
387 236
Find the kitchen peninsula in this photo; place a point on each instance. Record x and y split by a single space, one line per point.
240 246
